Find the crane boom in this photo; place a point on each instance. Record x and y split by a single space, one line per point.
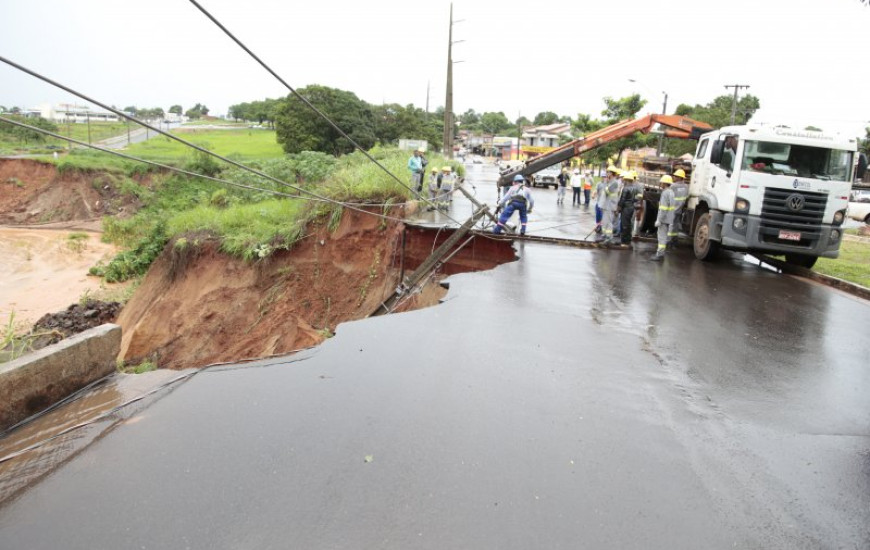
680 127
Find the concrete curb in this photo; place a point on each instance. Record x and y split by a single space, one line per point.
845 286
31 383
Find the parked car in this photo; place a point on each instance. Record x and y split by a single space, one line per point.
548 176
859 211
860 195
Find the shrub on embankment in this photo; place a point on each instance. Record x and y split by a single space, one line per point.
254 224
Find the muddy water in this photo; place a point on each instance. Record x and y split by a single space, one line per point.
44 271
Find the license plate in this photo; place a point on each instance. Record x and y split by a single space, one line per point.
790 235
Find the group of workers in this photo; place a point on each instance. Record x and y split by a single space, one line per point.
441 188
440 185
617 196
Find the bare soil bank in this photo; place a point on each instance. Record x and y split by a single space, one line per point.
199 306
33 192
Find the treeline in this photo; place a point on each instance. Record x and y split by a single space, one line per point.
298 128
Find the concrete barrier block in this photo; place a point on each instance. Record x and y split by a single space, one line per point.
35 381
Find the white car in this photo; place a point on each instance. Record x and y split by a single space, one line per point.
859 211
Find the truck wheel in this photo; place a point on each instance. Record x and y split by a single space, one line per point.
706 249
801 260
867 219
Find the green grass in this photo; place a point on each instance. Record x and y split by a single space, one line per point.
853 265
250 224
248 231
239 145
99 131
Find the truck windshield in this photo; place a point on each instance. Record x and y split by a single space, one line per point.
797 160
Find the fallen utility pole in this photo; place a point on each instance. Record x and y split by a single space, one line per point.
510 229
412 280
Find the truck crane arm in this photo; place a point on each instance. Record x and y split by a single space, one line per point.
680 127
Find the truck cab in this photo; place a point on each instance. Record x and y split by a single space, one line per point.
773 190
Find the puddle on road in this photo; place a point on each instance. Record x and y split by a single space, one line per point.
20 471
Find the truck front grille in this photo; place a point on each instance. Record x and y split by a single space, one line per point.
776 216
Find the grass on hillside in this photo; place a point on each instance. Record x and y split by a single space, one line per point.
853 265
243 144
252 225
99 131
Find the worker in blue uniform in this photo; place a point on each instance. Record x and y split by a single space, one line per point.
517 198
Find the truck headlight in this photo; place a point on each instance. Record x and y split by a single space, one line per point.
835 236
739 223
741 205
839 216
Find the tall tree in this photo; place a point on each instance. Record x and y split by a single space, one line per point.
299 129
176 109
494 123
717 114
469 120
545 118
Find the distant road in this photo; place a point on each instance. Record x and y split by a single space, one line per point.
135 136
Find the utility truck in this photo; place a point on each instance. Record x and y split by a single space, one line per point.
770 189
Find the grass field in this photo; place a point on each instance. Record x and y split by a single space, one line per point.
853 265
241 144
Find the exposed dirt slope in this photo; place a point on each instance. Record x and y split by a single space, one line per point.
34 192
202 307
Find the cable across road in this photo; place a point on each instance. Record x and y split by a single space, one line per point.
308 103
187 172
185 142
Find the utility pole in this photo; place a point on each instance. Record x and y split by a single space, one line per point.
734 102
448 102
661 147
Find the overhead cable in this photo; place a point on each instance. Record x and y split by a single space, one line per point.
309 104
180 140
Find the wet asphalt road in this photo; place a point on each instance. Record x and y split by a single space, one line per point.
572 399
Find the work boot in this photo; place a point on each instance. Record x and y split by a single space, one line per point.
657 257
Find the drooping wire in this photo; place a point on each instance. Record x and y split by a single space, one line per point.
310 105
183 171
180 140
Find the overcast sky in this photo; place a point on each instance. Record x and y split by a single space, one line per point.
805 60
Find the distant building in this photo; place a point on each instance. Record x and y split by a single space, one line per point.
543 139
70 112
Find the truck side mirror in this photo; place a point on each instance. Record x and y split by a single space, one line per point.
862 166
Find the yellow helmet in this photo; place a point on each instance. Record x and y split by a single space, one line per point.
667 179
613 169
447 169
629 175
680 173
434 170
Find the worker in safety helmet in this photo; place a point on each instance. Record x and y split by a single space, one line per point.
447 180
434 183
681 194
665 218
601 197
517 198
611 203
628 198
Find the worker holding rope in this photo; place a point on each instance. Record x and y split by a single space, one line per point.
517 198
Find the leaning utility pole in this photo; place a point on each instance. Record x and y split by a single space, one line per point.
734 102
448 102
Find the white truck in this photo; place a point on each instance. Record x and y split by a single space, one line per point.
768 189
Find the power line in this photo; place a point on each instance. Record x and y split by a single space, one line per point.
309 104
734 102
178 139
195 174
